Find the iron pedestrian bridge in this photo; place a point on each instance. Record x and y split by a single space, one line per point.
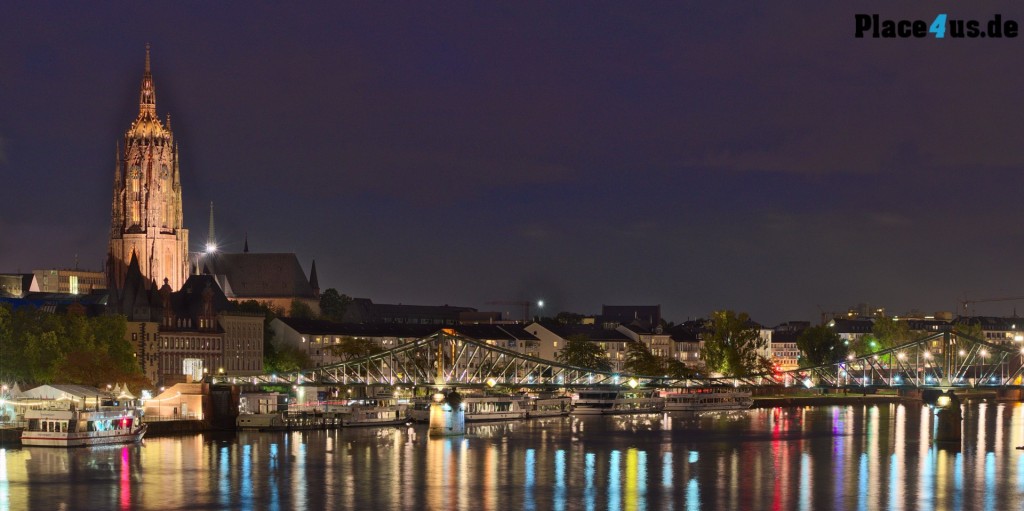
449 359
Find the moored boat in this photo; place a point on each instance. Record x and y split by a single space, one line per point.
288 421
493 408
419 410
75 428
548 406
612 402
699 400
376 412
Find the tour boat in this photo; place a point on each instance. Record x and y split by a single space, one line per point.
376 412
699 400
419 410
611 402
73 428
261 421
493 408
548 406
288 421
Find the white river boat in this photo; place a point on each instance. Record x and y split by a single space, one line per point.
377 412
611 402
704 400
493 408
548 406
76 428
419 410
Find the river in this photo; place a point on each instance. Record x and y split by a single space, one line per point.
862 457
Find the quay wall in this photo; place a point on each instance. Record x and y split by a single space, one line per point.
182 427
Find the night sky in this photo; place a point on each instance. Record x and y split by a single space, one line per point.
705 155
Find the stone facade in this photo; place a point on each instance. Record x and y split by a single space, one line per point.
146 213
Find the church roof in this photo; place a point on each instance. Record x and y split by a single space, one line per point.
252 275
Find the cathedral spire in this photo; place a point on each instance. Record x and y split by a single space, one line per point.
147 93
313 281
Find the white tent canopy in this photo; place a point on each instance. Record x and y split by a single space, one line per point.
80 395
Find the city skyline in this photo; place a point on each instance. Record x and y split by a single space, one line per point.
694 157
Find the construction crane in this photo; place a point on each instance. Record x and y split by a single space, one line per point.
964 303
524 304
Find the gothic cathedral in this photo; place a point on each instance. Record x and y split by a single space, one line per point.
146 219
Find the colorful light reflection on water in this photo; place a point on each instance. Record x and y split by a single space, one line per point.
852 457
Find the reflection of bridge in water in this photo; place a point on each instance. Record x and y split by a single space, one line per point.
448 359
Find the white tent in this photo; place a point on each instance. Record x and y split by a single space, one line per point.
62 395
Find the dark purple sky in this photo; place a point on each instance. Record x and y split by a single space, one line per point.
717 155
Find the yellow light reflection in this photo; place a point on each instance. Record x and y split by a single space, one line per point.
630 495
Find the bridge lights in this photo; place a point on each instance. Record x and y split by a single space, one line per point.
633 383
901 355
983 353
927 355
491 382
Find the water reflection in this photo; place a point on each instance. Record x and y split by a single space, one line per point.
858 457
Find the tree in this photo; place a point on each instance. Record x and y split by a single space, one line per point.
351 348
41 347
677 369
732 346
569 318
640 360
286 359
580 351
971 329
333 305
300 310
889 332
820 345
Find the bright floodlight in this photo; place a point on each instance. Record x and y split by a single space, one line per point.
540 303
211 247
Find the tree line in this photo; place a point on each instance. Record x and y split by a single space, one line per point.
38 347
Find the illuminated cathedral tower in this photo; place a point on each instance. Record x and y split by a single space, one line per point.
146 219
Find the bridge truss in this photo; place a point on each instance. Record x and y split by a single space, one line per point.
449 359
